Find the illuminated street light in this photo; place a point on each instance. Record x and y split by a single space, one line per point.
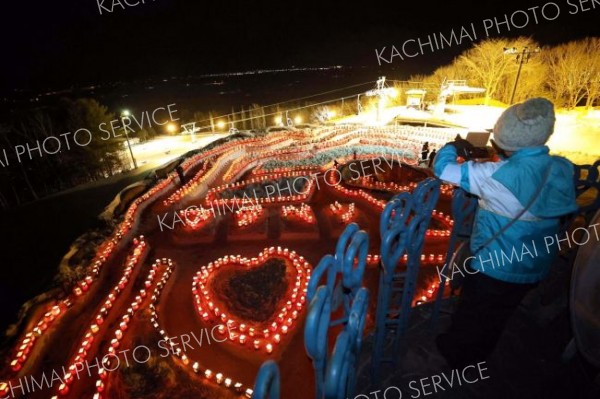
298 120
172 127
125 114
220 125
278 120
522 58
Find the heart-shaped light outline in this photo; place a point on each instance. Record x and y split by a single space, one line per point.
268 335
198 221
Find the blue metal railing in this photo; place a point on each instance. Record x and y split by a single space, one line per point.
267 385
463 211
343 275
403 224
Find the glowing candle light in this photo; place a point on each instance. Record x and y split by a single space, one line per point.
15 365
63 389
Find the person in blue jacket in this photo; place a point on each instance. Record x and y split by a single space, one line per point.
521 200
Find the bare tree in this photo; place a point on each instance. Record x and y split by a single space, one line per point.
487 65
572 70
593 86
433 82
5 132
531 79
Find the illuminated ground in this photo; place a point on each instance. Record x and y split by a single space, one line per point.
129 299
164 149
575 134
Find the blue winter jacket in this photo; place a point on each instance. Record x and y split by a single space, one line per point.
524 252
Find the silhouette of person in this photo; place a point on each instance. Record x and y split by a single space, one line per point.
432 157
179 170
425 151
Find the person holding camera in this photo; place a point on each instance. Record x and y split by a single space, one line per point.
521 200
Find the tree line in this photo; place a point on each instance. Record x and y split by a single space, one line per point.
568 74
38 176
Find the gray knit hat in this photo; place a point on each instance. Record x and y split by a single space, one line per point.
528 124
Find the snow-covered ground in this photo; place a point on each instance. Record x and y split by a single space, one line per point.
576 135
164 149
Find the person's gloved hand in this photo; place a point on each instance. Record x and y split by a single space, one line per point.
463 148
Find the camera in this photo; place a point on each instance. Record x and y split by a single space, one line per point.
475 147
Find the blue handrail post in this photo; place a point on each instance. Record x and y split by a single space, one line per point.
463 212
343 275
340 376
267 384
403 224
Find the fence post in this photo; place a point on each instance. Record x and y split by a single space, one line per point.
403 224
267 384
325 297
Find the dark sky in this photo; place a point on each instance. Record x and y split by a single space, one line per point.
62 43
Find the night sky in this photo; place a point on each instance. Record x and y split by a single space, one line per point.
55 44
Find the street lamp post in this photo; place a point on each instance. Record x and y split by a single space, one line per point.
522 58
125 114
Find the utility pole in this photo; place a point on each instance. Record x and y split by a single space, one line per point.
522 57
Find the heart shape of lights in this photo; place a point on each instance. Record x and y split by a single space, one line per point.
194 216
237 292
